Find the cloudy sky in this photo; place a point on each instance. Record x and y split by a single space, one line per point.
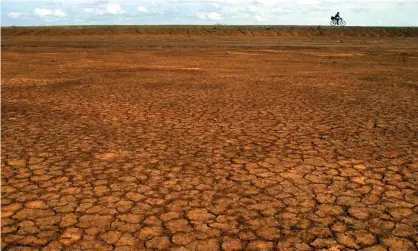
233 12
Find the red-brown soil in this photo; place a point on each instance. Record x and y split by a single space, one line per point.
219 30
174 142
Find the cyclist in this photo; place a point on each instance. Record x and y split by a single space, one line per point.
337 17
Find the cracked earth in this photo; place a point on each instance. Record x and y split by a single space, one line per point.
176 143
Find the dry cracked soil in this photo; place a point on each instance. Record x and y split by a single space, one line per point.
209 143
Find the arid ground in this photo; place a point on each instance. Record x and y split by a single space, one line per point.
258 141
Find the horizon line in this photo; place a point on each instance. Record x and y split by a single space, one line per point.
232 25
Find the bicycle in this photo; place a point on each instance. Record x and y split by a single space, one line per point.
341 22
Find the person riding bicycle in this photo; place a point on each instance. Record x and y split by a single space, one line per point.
337 20
337 17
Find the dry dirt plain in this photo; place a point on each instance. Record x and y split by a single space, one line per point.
183 142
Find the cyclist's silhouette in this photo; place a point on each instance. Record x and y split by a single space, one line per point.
337 17
337 20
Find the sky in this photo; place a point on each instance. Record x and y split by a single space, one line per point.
207 12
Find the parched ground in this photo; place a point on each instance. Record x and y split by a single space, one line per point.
209 143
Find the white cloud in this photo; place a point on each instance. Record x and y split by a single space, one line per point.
253 9
88 10
216 5
114 8
111 8
142 9
59 13
254 2
258 18
41 12
312 2
15 14
283 10
157 11
214 16
298 12
257 2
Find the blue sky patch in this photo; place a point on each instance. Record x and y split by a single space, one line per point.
229 12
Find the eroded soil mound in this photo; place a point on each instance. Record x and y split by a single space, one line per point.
303 31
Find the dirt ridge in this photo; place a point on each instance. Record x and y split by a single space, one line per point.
301 31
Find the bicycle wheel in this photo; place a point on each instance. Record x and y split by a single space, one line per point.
333 23
342 22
